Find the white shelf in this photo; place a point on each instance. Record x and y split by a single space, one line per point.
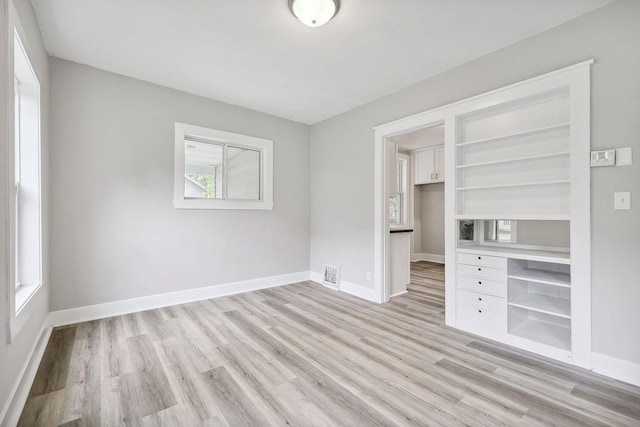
543 276
543 304
525 184
517 134
515 159
545 333
516 253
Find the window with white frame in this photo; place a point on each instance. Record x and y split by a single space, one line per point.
398 202
221 170
26 224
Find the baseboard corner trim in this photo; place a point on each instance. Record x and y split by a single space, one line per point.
12 409
398 294
356 290
618 369
427 257
117 308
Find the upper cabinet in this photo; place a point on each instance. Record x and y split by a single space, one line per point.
428 165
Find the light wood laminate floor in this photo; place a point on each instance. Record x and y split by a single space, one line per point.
305 355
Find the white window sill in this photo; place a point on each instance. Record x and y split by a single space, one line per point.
23 296
222 204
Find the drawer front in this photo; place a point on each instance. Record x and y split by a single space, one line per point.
481 301
483 286
481 272
482 260
485 322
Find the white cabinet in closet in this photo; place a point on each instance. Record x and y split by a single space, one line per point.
428 165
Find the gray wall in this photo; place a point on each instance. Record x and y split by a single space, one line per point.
429 204
13 356
342 159
115 234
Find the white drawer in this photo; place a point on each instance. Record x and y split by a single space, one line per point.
481 272
480 321
483 286
481 301
482 260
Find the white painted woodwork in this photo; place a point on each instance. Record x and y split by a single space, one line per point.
517 153
428 165
482 286
520 158
400 262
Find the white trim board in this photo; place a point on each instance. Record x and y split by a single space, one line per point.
116 308
427 257
398 294
14 405
616 368
359 291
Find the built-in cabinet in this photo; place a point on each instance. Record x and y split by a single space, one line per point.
428 165
521 200
521 296
517 212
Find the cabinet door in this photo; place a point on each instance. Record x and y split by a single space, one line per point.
425 167
439 164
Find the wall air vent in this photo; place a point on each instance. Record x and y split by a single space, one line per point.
331 277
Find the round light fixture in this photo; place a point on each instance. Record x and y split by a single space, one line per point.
314 13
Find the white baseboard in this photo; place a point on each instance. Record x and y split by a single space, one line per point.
12 409
116 308
398 294
427 257
616 368
349 288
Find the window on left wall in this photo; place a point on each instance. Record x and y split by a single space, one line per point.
26 212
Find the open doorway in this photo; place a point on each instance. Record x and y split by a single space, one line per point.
416 215
425 190
413 134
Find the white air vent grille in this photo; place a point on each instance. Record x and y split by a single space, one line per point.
331 276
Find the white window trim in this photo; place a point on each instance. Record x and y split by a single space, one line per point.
265 146
20 295
406 209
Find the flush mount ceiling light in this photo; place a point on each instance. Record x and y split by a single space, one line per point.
314 13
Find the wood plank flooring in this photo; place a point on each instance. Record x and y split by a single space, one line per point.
303 355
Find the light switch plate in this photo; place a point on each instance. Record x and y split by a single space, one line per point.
603 158
622 201
624 156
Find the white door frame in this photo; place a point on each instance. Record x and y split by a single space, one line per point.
381 235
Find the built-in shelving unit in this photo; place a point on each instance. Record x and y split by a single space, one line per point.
521 203
502 150
539 296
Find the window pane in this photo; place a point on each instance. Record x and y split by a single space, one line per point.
243 174
394 210
203 170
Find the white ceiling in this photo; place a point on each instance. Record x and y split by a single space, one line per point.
255 54
421 138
